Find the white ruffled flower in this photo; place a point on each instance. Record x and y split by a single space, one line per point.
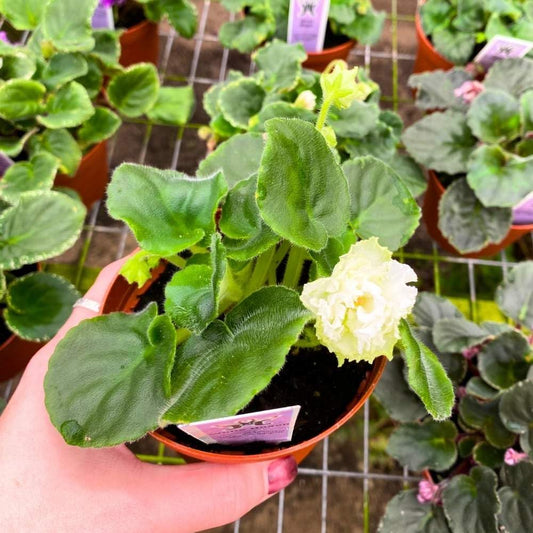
359 307
306 100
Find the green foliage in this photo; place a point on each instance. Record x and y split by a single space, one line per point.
516 497
514 296
21 99
174 106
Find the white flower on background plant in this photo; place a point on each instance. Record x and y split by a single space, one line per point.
306 100
359 307
468 91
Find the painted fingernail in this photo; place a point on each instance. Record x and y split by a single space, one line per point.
281 473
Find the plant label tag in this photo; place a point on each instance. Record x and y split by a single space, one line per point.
307 23
103 18
501 47
273 425
523 212
5 163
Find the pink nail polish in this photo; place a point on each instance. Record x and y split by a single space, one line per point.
281 473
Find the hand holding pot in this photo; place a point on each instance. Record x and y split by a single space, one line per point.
51 486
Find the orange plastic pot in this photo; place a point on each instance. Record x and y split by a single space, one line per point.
15 354
90 180
320 60
123 296
140 43
430 214
427 58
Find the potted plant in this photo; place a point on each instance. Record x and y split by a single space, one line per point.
355 20
451 32
266 278
139 41
281 87
478 146
478 464
64 95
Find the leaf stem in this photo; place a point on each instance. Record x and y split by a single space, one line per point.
261 269
294 267
321 120
176 260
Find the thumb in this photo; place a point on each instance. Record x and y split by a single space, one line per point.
200 496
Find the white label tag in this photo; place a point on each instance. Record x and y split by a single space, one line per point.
273 425
500 47
103 19
307 23
5 163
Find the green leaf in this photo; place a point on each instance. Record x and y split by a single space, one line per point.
499 178
118 358
502 362
23 14
296 168
62 68
494 116
430 308
238 158
107 47
466 445
441 141
356 121
427 445
247 33
483 415
238 357
406 514
182 16
514 75
38 304
516 497
282 110
166 210
478 388
280 64
466 223
381 205
36 174
328 257
12 146
94 79
366 28
192 295
41 225
395 395
17 65
240 100
409 172
135 90
455 45
102 125
486 455
425 375
516 412
247 249
69 107
471 503
456 334
526 113
434 13
67 24
137 269
173 106
20 99
514 295
61 144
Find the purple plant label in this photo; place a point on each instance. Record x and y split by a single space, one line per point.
307 23
274 425
523 212
500 47
103 18
5 163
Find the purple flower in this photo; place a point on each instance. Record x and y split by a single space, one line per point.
512 457
3 37
468 91
428 492
110 3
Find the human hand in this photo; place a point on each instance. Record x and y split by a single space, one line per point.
49 486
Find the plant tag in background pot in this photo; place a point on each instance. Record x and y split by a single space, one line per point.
307 23
5 163
502 47
523 212
103 18
273 425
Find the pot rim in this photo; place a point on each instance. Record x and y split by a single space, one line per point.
131 33
350 43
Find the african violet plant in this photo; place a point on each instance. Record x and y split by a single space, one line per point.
480 145
457 26
266 255
481 459
53 98
263 20
282 88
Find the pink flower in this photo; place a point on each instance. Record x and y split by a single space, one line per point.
468 353
3 37
468 91
111 3
512 457
460 392
428 492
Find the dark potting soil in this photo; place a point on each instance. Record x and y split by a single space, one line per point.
331 39
130 14
310 378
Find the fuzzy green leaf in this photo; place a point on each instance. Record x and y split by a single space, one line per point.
478 388
182 15
247 33
516 497
137 269
173 106
356 121
434 13
107 47
456 46
516 412
17 65
514 295
62 68
487 455
456 334
102 125
61 144
20 99
514 75
23 14
94 79
240 100
430 308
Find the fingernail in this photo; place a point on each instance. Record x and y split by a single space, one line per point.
281 473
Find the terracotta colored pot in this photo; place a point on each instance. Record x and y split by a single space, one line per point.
140 43
427 58
15 354
320 60
430 214
90 180
124 296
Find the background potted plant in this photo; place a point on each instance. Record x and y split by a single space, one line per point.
451 32
66 94
355 20
266 266
478 145
281 87
479 462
